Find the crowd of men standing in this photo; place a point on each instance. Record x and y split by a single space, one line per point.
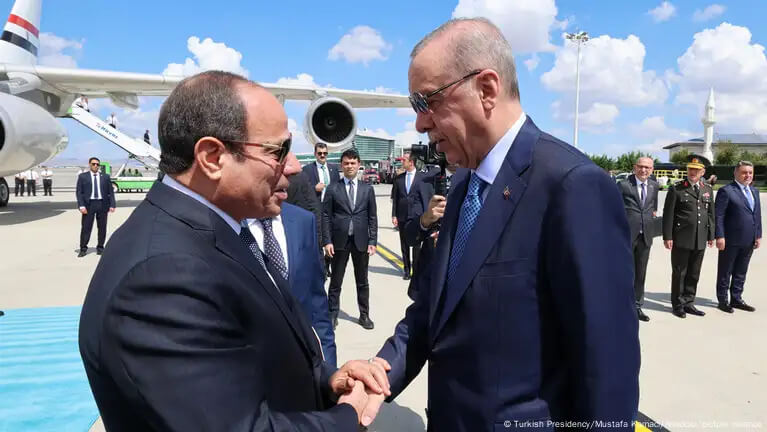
692 220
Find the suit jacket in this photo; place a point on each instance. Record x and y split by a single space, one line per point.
539 321
310 171
182 329
422 194
302 194
688 218
735 221
640 216
306 276
337 214
402 201
85 188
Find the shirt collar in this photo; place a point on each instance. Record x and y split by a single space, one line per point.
742 186
171 182
251 222
353 181
639 182
491 164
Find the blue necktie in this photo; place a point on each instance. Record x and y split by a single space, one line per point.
749 197
407 183
470 208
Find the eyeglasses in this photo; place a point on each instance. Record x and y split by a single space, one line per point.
420 102
94 163
322 153
282 149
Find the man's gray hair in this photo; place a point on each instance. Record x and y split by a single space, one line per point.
743 163
644 157
481 45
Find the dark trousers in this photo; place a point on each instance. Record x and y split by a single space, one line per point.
31 187
48 187
18 185
405 248
731 272
685 272
641 256
99 210
360 262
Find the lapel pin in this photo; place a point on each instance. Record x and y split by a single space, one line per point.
506 193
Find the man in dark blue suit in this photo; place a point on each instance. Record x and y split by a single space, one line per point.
403 192
738 233
188 324
295 231
527 317
95 199
321 175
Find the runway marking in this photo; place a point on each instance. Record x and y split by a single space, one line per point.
396 261
390 256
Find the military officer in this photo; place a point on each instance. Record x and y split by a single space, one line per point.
688 225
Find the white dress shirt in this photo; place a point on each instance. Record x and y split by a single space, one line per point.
639 188
47 174
97 182
171 182
257 229
490 166
321 176
356 191
31 175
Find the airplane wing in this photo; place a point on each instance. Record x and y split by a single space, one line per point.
97 83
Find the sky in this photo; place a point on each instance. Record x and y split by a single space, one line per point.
644 74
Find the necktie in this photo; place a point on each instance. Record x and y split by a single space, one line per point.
95 187
466 220
250 242
325 178
351 202
643 193
749 197
407 183
696 189
272 249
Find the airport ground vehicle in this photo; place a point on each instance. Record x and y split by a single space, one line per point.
123 182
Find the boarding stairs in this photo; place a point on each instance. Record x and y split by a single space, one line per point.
136 148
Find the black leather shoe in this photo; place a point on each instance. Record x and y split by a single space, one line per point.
642 316
724 307
743 306
365 322
99 251
692 310
81 253
680 313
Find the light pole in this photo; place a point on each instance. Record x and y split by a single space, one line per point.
579 38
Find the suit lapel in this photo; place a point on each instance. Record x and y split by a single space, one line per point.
632 180
493 218
459 184
229 244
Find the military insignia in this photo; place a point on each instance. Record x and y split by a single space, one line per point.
506 193
686 184
706 195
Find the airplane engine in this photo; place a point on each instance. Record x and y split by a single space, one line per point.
330 120
29 135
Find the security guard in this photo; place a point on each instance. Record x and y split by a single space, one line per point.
688 225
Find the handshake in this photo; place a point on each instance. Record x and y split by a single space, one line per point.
363 384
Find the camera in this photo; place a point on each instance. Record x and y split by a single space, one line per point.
429 155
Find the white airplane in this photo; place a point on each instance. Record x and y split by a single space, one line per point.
32 96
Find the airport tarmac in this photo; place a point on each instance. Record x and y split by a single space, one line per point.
697 373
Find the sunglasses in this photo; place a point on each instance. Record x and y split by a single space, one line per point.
420 102
94 163
322 153
282 149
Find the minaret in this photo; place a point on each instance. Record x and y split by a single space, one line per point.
708 127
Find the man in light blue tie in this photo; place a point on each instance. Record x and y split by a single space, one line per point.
528 294
403 195
738 233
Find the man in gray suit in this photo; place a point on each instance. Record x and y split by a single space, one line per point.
640 198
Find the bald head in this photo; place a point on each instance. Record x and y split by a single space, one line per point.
473 44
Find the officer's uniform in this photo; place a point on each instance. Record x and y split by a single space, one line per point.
688 220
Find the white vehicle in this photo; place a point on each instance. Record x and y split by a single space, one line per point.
32 96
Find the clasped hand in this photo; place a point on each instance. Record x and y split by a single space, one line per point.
363 384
